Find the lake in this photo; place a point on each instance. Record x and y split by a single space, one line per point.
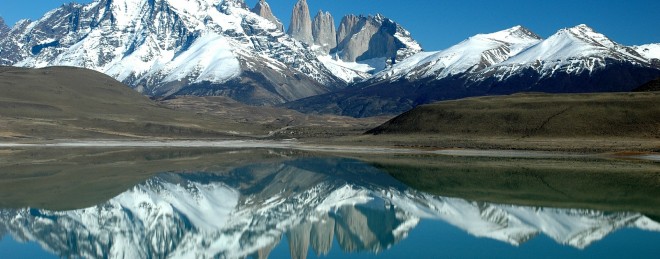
172 202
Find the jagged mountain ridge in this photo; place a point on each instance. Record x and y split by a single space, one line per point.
206 47
219 47
359 47
573 60
164 48
473 54
247 210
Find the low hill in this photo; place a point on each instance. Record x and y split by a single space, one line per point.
64 102
651 86
519 116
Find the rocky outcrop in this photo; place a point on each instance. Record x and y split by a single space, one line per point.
301 23
363 38
3 27
324 32
263 9
322 235
346 27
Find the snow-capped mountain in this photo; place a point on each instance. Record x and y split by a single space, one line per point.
359 47
573 51
650 52
201 47
573 60
474 54
367 45
245 212
171 47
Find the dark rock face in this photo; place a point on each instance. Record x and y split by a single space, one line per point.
263 9
301 23
324 32
389 98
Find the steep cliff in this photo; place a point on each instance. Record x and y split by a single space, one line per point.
301 23
263 9
324 32
364 38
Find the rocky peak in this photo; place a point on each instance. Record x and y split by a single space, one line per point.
263 9
524 32
324 32
589 35
363 38
301 23
3 27
508 37
346 27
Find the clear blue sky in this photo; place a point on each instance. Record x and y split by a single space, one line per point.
438 24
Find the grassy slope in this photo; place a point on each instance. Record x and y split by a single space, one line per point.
535 118
284 123
63 102
543 115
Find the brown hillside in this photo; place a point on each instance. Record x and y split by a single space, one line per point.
64 102
635 115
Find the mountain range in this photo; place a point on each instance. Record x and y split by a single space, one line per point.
247 211
573 60
365 66
204 47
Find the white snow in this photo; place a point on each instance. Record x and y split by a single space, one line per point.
561 46
572 50
126 11
210 58
348 71
517 224
345 196
649 51
477 52
208 207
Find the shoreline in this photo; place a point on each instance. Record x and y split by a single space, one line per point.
339 147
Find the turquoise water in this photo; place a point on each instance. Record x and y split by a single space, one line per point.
317 207
436 239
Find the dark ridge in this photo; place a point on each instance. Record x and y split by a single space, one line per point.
651 86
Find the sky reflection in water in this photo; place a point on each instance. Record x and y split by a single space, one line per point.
316 207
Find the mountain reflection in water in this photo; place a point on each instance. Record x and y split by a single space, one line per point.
314 203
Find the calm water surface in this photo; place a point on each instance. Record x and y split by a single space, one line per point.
210 203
